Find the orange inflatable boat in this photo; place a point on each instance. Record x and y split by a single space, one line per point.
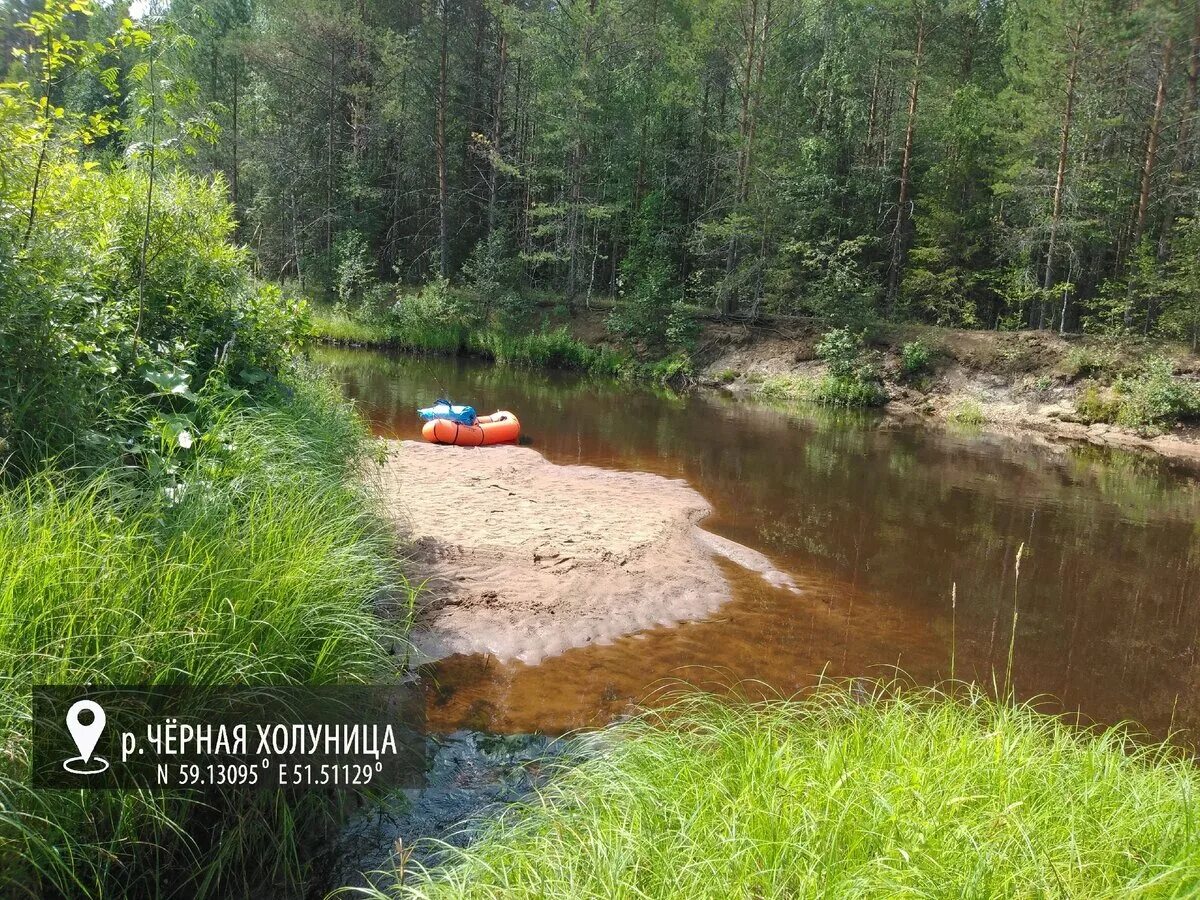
498 428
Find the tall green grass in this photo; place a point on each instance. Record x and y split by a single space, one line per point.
827 390
968 412
336 327
544 349
553 349
266 566
850 793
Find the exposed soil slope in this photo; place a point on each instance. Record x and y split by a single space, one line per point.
1021 382
1025 383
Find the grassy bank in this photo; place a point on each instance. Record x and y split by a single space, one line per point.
1143 387
846 795
179 502
825 390
258 560
544 347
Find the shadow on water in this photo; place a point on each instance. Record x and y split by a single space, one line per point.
876 522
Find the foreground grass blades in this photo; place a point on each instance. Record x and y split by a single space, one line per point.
267 570
897 794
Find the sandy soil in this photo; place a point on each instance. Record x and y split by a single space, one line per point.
525 558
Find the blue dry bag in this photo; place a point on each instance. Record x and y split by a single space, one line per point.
444 409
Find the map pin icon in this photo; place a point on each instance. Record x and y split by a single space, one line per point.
85 736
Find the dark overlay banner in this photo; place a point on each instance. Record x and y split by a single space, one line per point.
328 737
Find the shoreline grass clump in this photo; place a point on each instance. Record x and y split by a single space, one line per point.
967 413
547 348
882 792
851 380
335 326
260 561
826 390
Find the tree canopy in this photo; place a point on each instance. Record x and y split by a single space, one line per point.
997 163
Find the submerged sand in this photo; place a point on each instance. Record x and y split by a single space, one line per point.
525 558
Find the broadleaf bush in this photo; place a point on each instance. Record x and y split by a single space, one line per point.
81 330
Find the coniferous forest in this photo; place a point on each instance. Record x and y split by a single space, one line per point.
243 244
1025 163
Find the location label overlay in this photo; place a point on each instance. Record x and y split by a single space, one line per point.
218 738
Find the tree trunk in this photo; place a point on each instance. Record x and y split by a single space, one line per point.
443 189
756 102
639 181
1060 177
744 115
358 103
296 252
47 84
579 155
1183 152
497 125
332 113
137 330
874 110
473 105
755 32
900 233
233 169
1151 156
1160 102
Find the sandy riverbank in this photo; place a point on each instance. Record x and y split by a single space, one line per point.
525 558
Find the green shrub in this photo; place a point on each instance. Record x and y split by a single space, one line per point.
673 369
842 351
215 531
73 358
1148 401
826 279
433 319
491 274
1090 362
432 304
1095 404
650 309
855 791
827 390
853 378
1155 397
354 274
644 313
966 412
914 359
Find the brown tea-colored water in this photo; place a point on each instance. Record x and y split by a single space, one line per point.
904 539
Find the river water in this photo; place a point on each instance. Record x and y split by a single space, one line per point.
904 539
